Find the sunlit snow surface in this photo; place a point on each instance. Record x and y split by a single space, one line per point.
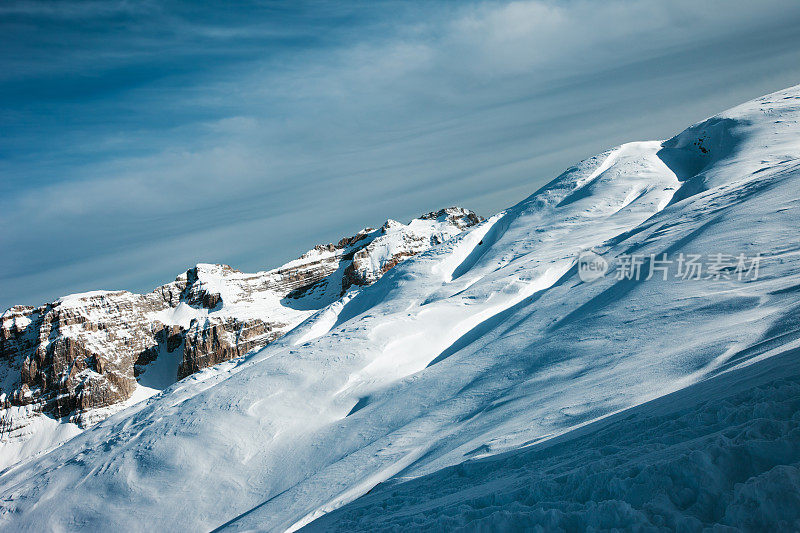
485 344
722 452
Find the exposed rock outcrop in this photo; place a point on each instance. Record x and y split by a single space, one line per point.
93 350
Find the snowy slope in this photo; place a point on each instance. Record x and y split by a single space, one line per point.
481 345
722 452
71 363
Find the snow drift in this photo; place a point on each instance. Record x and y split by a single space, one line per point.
725 451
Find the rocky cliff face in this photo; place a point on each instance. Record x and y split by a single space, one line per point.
89 351
78 353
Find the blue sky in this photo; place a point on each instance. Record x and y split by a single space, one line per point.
139 138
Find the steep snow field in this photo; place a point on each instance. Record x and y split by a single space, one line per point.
722 452
482 345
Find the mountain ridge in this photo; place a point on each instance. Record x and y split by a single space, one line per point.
83 355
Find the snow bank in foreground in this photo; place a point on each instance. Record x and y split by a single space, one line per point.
725 452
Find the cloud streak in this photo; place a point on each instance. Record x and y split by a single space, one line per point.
163 135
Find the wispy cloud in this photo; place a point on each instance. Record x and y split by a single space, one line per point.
140 138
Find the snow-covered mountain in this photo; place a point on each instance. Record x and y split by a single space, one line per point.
489 381
82 358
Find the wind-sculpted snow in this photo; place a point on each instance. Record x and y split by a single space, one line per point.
483 344
724 452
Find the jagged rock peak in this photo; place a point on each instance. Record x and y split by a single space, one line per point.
458 216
